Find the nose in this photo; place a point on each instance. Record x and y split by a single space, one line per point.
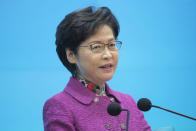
106 53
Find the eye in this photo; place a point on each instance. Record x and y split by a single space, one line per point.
112 45
96 46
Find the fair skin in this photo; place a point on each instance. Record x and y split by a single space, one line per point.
96 67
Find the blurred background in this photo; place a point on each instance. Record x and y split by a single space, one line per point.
157 59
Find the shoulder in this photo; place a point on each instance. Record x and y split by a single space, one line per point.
57 104
57 114
57 107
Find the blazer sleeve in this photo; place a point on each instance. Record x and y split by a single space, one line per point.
57 117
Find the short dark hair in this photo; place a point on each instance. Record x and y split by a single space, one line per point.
79 25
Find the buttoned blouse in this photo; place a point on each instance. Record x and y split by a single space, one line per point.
77 108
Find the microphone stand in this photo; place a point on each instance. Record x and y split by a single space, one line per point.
127 122
174 112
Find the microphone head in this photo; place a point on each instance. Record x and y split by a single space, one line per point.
144 104
114 109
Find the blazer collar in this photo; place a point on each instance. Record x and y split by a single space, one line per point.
82 94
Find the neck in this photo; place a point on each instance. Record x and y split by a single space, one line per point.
100 85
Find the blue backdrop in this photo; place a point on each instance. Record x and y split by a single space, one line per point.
157 60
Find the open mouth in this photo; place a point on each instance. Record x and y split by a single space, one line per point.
106 66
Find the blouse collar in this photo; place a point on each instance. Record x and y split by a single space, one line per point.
99 91
77 90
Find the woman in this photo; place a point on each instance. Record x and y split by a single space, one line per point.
88 47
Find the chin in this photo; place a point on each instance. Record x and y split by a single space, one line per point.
107 78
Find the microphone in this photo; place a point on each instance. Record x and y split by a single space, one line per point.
114 109
145 104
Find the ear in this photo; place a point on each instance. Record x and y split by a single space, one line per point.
70 56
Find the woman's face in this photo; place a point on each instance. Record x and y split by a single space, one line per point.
97 67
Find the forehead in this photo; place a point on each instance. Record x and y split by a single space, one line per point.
103 33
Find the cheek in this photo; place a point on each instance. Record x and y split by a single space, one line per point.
86 63
116 58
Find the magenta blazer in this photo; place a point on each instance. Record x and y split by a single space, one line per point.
78 109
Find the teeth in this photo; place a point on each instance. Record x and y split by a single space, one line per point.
106 66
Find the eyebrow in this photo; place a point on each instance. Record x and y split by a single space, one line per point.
111 39
101 41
